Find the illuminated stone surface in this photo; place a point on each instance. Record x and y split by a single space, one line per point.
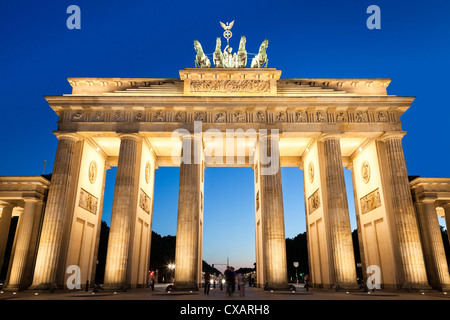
323 125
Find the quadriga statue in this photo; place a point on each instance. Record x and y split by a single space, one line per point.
218 55
201 60
261 58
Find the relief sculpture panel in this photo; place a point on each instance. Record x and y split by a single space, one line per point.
370 201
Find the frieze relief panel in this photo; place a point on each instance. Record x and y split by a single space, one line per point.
231 116
88 201
230 86
144 201
314 202
370 201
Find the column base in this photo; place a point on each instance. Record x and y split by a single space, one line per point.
13 288
443 287
185 286
347 287
416 287
44 287
277 286
115 287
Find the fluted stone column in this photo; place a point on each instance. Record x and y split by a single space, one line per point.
124 205
272 213
446 208
404 214
22 244
338 215
433 247
55 214
189 206
5 223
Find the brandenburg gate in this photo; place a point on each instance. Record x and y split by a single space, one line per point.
235 116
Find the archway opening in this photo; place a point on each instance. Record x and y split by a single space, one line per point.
229 218
8 250
295 224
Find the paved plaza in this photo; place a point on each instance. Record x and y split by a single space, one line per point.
251 294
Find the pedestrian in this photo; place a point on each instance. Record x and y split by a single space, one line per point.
241 282
307 282
229 278
233 281
152 283
252 279
220 281
207 282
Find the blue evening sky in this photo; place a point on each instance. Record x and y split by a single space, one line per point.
155 39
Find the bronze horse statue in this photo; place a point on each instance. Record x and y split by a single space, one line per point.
261 58
218 55
201 60
242 54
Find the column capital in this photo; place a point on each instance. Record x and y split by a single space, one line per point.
392 135
135 136
192 136
445 206
328 136
31 199
7 205
426 199
67 135
350 166
266 134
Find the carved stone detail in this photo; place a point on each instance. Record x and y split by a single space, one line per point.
144 201
77 116
139 116
361 116
88 201
239 116
230 86
311 172
365 171
118 116
220 117
147 172
370 201
281 116
257 201
260 116
321 116
96 117
199 116
314 201
92 172
301 116
341 116
180 116
381 117
159 116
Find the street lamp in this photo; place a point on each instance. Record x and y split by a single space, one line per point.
296 265
171 268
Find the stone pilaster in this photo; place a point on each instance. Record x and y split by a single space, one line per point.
189 207
124 205
405 219
433 247
5 223
272 213
22 245
338 215
55 214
